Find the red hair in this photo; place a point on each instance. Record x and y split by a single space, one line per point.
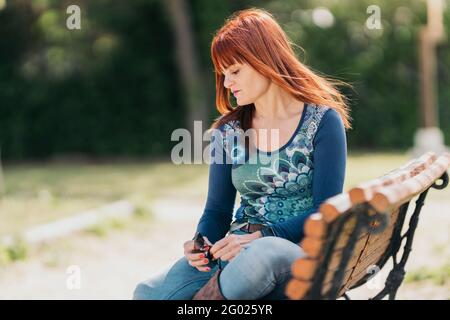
253 36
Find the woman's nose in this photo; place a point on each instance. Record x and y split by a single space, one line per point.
227 83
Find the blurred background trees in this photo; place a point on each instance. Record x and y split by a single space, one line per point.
116 87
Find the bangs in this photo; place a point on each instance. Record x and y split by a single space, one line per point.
224 53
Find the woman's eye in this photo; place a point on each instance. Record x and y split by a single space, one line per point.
236 72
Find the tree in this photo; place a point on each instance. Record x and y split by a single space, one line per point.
187 61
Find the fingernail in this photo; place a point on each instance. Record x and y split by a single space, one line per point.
202 256
208 269
205 260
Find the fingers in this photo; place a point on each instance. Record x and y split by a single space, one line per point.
221 252
221 244
204 269
230 254
195 256
228 247
197 260
199 263
188 246
228 244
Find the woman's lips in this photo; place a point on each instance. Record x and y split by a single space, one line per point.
236 92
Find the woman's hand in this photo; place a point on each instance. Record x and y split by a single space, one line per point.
196 260
230 246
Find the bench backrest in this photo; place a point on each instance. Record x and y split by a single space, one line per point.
356 230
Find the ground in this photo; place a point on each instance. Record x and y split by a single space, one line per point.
114 258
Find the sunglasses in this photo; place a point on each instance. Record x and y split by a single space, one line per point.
201 246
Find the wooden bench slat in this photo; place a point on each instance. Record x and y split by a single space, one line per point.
361 270
304 268
329 276
365 191
335 206
296 289
390 196
372 241
313 246
315 226
386 194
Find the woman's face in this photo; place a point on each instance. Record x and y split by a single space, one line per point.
248 83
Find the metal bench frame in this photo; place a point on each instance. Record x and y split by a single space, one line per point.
374 223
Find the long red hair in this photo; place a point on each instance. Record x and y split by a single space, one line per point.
253 36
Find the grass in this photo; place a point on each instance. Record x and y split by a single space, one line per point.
36 194
51 253
101 229
17 250
363 167
439 276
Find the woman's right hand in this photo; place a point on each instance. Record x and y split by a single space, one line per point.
196 260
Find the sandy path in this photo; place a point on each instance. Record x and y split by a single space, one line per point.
112 266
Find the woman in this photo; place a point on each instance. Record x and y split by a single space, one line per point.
251 257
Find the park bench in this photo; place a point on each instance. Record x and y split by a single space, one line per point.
357 232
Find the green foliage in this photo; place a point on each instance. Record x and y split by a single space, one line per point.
112 88
439 276
107 89
143 212
101 229
18 250
382 65
14 251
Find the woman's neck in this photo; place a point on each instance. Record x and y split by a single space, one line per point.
277 104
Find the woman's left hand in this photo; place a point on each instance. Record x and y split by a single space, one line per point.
230 246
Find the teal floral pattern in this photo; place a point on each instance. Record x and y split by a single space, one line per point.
275 191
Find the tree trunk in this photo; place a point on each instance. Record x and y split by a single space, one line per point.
187 63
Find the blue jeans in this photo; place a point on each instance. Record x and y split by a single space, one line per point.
260 271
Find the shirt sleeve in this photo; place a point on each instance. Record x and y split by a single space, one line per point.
218 213
329 158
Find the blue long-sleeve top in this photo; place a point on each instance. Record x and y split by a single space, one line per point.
310 169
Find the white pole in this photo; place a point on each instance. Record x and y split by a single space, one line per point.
435 17
429 136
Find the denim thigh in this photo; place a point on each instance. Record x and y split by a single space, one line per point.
260 271
179 282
